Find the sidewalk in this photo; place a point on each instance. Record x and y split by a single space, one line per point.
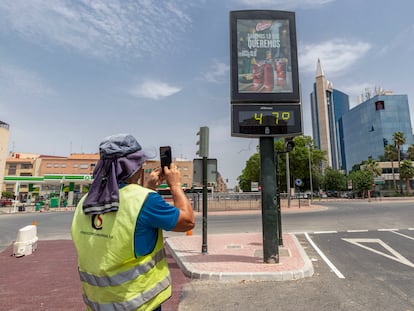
240 256
235 257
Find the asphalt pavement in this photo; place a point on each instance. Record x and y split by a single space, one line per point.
48 278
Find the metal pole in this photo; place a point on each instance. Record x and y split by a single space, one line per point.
269 201
310 172
204 245
288 178
279 212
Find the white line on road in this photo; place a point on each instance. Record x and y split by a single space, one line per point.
323 232
406 236
396 256
328 262
395 229
357 231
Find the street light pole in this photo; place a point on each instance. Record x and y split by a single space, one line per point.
310 172
288 178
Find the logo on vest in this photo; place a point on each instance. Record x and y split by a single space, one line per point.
97 222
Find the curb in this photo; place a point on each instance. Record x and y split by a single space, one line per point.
289 275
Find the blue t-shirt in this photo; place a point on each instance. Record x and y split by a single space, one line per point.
155 213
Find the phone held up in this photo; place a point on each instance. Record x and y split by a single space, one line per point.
165 156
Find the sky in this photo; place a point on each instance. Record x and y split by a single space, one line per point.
74 72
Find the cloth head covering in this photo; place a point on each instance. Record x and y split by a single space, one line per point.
121 156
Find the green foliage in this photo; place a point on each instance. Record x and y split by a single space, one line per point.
361 180
372 166
299 164
407 172
410 152
251 172
399 139
7 194
334 180
390 152
407 169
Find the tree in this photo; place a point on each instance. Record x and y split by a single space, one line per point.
390 153
7 194
334 180
410 152
251 173
407 172
361 180
399 140
372 166
298 159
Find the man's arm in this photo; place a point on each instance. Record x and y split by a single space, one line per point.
186 219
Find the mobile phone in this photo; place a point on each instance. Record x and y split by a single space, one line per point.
165 156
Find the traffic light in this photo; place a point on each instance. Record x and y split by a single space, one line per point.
289 145
203 142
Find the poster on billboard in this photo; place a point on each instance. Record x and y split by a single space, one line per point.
263 56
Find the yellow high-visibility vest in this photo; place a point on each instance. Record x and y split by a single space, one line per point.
112 277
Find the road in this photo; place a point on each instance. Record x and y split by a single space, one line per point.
361 252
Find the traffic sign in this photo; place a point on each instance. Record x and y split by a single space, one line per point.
298 182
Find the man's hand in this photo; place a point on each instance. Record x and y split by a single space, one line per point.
172 176
155 179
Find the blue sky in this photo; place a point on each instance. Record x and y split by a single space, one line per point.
73 72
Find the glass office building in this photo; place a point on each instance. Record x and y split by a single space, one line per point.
368 127
327 107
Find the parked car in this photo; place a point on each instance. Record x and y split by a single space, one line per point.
5 202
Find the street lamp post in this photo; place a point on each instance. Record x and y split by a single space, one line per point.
288 178
310 172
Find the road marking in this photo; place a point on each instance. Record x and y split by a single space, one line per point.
395 229
397 256
328 262
323 232
357 231
406 236
411 229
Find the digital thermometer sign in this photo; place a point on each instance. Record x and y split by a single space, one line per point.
266 120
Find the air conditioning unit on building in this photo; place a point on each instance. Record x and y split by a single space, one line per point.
26 241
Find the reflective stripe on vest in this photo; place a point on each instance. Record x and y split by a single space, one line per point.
124 276
133 303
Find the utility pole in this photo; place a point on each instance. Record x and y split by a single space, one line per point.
203 152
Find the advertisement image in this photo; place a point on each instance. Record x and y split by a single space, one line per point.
264 63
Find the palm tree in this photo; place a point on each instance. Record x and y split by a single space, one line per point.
373 167
407 172
410 152
399 139
390 153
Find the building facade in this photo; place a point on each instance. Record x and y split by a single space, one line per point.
327 108
370 126
75 163
4 146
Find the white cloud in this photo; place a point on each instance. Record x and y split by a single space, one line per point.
100 28
153 90
217 73
22 82
336 55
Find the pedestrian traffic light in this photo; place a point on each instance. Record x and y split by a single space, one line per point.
203 142
289 145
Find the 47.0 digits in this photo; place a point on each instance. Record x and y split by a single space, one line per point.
279 115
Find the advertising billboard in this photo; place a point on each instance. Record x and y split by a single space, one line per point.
264 66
